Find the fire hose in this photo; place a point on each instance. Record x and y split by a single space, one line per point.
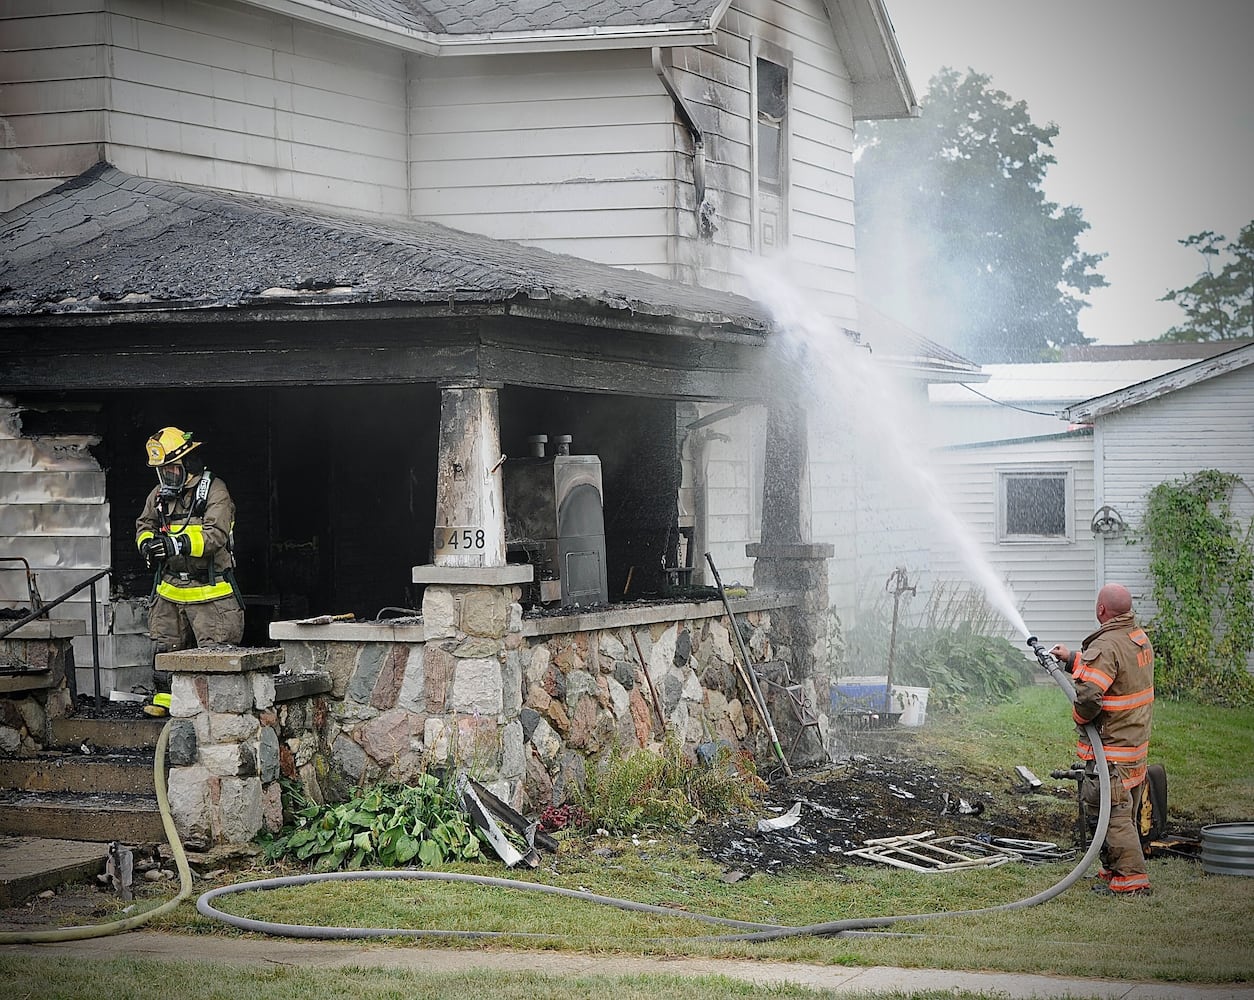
128 923
746 930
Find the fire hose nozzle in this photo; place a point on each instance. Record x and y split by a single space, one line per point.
1041 653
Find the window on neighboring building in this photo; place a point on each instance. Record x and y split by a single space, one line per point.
770 139
1034 505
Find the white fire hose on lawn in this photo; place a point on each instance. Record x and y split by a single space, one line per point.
128 923
745 930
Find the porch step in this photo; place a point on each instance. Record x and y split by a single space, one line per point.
98 816
29 865
70 732
125 772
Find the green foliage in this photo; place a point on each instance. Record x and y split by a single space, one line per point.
953 648
1203 570
962 666
953 223
387 826
639 789
1219 305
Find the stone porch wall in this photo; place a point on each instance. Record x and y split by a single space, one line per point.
523 709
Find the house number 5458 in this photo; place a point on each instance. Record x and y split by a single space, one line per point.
459 538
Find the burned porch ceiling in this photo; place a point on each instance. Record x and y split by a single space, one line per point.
224 286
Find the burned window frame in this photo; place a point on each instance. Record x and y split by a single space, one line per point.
1005 476
763 186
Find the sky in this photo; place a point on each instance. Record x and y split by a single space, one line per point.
1154 100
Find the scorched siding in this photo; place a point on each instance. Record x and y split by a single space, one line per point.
53 95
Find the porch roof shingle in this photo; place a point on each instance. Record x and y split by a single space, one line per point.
110 242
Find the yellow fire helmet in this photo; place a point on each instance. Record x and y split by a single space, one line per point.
169 445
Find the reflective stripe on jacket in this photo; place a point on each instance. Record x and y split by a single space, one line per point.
198 576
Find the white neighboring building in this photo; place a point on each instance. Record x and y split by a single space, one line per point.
1198 417
1029 474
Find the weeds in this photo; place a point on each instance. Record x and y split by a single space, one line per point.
955 649
638 789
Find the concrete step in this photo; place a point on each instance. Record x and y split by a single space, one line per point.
139 730
132 819
29 865
127 772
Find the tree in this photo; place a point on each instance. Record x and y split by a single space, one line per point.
1219 305
956 237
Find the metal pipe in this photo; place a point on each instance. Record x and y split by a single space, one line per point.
95 648
690 123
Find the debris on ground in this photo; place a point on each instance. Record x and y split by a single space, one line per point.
874 795
925 852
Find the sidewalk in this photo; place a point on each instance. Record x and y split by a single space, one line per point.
835 979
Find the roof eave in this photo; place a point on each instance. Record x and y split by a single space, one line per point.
320 308
1142 392
885 91
494 43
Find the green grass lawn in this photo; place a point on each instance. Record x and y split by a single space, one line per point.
1195 928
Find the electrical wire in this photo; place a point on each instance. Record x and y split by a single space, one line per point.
1009 406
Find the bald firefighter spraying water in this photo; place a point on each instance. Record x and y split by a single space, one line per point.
1114 690
185 536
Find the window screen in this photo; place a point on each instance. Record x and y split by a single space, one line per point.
1035 504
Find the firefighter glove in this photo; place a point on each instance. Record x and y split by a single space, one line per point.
164 547
153 549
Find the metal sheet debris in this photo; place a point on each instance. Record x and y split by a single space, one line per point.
782 822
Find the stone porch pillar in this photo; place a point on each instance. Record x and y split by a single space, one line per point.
36 683
224 743
787 561
471 613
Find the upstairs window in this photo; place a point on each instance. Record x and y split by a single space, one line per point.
772 92
771 89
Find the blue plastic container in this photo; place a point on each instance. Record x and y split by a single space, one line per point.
861 694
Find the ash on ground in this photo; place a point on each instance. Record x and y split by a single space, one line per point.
882 792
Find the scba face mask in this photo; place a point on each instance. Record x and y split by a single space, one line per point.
172 478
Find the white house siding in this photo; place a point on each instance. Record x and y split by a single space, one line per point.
820 141
216 94
1209 425
572 152
52 104
583 153
1052 581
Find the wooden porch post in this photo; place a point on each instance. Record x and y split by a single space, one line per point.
787 560
786 477
469 506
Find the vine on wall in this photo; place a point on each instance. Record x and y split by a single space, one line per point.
1203 569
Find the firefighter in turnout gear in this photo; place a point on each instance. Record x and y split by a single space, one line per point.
185 536
1114 691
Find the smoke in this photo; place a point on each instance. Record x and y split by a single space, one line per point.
845 387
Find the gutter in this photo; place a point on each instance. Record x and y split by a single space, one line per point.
704 226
